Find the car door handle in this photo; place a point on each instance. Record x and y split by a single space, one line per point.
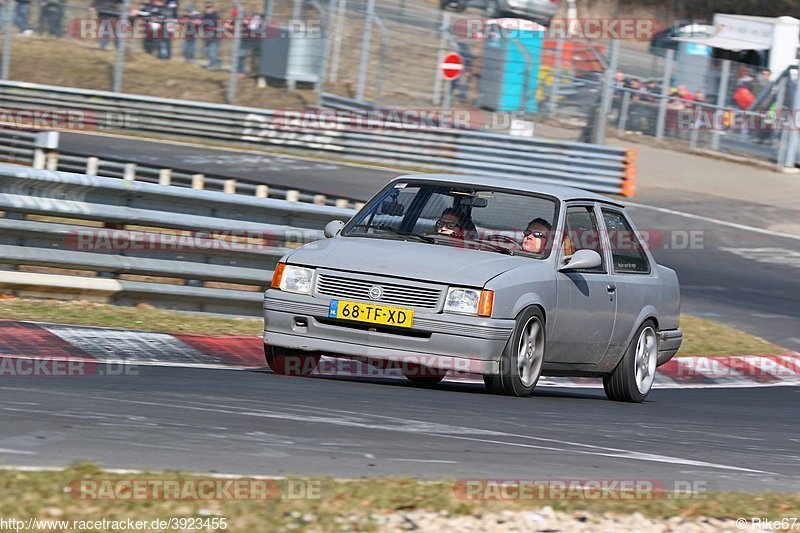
611 287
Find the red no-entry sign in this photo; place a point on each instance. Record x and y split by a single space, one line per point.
452 65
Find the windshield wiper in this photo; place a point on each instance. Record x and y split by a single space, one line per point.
399 233
492 246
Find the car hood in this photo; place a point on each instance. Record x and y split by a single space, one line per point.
439 263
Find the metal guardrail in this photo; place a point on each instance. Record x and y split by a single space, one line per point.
130 242
593 167
17 146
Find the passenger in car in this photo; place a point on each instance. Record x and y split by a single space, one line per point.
535 238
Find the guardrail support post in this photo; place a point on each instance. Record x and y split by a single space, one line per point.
319 199
198 181
45 153
342 202
39 159
359 205
165 176
229 187
292 196
129 174
92 165
262 191
52 160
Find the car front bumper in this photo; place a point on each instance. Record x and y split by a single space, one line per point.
448 342
669 342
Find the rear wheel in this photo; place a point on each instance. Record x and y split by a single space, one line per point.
286 362
521 362
633 378
423 375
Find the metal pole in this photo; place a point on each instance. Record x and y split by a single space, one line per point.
120 42
608 93
382 64
337 41
269 7
9 31
327 29
552 102
666 81
722 93
437 84
623 113
237 37
296 8
794 140
364 64
448 89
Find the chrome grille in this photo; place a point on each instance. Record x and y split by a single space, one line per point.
393 293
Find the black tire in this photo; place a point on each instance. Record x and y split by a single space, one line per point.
621 385
515 379
286 362
423 375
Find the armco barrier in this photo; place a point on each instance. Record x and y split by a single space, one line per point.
130 242
592 167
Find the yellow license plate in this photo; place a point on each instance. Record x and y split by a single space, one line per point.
371 313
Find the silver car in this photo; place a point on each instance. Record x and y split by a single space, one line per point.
504 278
540 10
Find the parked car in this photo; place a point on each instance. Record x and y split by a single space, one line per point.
667 39
539 10
501 277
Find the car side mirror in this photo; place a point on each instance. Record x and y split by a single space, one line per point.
582 259
333 228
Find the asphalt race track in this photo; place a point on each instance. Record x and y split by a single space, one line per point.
254 422
322 177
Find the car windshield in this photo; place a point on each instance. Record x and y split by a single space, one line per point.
499 221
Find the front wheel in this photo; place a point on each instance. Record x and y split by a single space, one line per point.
522 360
287 363
633 378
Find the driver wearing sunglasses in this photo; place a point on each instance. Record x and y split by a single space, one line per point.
535 236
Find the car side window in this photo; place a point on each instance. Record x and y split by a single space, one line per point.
582 233
626 250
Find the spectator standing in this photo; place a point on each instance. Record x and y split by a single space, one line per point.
22 15
210 25
191 29
52 17
108 12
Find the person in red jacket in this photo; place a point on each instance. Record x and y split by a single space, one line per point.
743 98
